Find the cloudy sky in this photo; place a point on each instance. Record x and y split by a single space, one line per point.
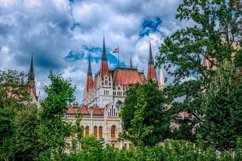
61 34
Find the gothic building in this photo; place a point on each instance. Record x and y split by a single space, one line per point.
103 97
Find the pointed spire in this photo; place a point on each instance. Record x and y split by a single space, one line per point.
104 71
89 83
31 76
151 75
89 65
104 56
130 61
151 60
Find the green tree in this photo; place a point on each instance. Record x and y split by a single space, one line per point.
222 104
28 144
145 119
13 98
212 33
53 129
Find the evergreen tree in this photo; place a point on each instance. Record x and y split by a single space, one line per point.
222 104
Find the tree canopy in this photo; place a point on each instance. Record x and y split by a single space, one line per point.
213 34
144 116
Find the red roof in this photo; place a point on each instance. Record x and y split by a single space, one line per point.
71 110
104 68
151 72
126 77
97 111
84 110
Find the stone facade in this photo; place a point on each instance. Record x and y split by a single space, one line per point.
103 97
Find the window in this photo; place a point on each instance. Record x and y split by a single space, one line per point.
113 131
87 131
95 131
100 132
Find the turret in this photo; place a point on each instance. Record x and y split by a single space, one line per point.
151 75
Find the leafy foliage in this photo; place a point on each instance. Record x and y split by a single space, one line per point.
145 119
53 129
222 104
213 34
28 143
13 98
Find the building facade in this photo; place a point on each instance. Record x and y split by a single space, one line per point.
103 97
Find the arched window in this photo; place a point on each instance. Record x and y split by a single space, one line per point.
100 132
113 131
95 131
87 131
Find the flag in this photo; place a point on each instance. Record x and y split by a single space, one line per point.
116 50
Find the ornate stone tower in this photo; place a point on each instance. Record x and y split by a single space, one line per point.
89 90
104 82
151 75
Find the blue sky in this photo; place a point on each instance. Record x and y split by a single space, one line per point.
61 34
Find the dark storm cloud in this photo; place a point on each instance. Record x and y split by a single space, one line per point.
61 33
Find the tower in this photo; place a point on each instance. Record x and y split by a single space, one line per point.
104 64
88 93
151 75
104 81
31 79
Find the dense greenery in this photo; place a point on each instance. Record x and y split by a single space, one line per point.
53 129
28 133
173 150
222 105
210 96
212 34
145 118
14 99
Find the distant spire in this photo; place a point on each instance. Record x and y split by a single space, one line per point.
104 56
104 71
130 61
151 75
89 83
151 60
31 76
89 65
